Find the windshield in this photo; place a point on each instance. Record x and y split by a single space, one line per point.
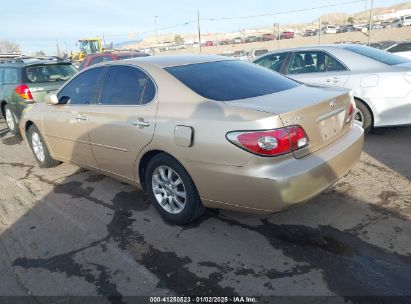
50 72
230 80
378 55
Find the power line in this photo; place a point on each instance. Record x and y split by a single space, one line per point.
285 12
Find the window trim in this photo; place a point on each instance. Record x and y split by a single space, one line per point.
98 84
100 87
316 50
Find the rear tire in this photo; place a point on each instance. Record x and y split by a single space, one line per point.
39 148
363 116
11 120
172 191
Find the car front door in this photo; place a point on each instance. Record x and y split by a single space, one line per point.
123 120
66 124
317 67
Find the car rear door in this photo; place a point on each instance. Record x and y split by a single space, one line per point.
317 67
66 124
123 120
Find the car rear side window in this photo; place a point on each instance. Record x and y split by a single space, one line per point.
10 76
50 73
1 76
82 88
125 85
230 80
313 62
378 55
273 62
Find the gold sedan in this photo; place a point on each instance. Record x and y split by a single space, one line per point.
199 131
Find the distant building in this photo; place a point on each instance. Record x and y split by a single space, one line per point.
392 14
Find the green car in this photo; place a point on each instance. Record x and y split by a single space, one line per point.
25 82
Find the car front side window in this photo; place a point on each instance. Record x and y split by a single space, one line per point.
82 88
314 62
126 85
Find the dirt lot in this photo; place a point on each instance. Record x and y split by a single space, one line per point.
67 231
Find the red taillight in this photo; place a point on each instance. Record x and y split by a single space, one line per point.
351 112
24 92
272 142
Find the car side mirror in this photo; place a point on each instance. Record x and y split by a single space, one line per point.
52 99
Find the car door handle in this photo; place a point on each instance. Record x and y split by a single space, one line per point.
81 117
141 123
333 79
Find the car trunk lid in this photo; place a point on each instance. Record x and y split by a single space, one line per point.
321 111
40 90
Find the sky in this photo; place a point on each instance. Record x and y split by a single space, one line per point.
37 25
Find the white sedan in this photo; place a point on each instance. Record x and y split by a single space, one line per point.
380 81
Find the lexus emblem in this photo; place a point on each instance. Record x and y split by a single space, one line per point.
333 103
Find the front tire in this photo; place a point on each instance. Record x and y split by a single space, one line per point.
172 190
39 148
363 116
10 120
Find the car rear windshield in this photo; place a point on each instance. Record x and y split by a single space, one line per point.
230 80
50 72
378 55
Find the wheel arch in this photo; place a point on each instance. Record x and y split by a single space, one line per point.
2 106
368 107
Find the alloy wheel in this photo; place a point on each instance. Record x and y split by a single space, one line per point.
37 145
169 189
359 117
9 119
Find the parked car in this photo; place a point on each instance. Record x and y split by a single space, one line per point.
329 29
381 81
287 35
208 43
309 33
237 40
109 56
24 82
405 21
200 131
250 39
253 54
402 48
347 28
268 37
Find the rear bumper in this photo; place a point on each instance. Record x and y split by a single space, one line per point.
264 186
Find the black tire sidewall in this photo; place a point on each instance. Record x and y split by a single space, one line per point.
367 117
192 199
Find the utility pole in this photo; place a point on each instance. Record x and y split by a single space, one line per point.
319 31
58 48
278 35
155 24
370 23
199 31
104 40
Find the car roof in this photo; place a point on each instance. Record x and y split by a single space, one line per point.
177 60
20 63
